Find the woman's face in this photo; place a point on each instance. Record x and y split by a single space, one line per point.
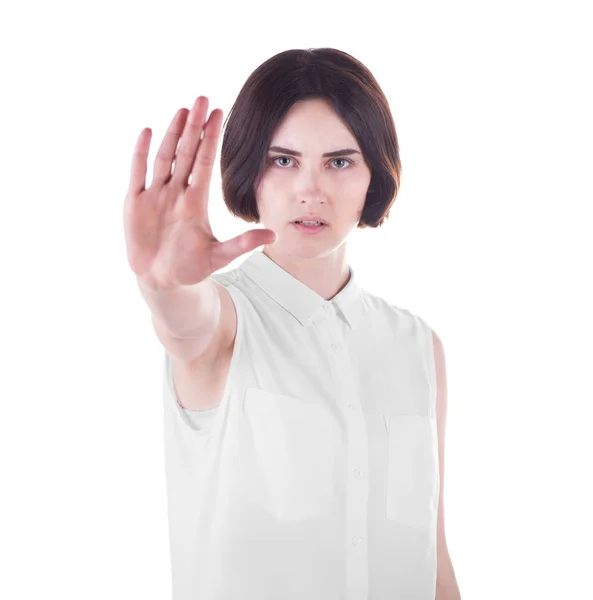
332 187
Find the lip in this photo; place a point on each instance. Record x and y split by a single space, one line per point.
310 218
309 230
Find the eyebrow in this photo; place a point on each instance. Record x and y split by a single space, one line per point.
295 153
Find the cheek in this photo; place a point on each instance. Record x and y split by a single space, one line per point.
272 182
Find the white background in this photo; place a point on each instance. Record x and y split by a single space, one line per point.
489 241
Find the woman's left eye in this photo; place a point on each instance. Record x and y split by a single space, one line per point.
348 161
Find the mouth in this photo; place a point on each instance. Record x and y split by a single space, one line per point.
309 229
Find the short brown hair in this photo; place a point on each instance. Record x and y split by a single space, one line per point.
266 97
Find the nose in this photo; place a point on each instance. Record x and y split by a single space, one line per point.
310 184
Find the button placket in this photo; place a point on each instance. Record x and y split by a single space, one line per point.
329 312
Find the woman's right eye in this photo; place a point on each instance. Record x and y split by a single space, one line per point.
279 158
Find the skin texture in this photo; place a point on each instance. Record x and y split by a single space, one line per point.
446 585
328 186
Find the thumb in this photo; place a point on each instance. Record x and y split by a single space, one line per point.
228 251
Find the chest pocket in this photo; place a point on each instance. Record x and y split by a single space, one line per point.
412 470
288 455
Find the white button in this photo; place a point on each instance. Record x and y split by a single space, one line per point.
353 406
358 473
327 307
356 540
336 347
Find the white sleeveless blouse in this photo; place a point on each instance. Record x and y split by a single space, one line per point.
317 477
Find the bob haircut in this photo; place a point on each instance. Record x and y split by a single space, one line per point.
269 93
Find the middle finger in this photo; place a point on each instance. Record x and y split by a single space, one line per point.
190 140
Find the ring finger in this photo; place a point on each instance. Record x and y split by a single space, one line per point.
166 153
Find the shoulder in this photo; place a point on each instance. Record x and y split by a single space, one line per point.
440 365
438 352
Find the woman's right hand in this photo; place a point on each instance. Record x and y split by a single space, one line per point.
169 241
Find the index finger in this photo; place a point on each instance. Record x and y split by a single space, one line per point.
204 163
204 160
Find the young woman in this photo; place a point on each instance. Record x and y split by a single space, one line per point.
304 417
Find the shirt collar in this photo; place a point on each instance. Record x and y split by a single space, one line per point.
294 296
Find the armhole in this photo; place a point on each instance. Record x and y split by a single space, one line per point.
202 423
428 351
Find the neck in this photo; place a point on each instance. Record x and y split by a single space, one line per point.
325 275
